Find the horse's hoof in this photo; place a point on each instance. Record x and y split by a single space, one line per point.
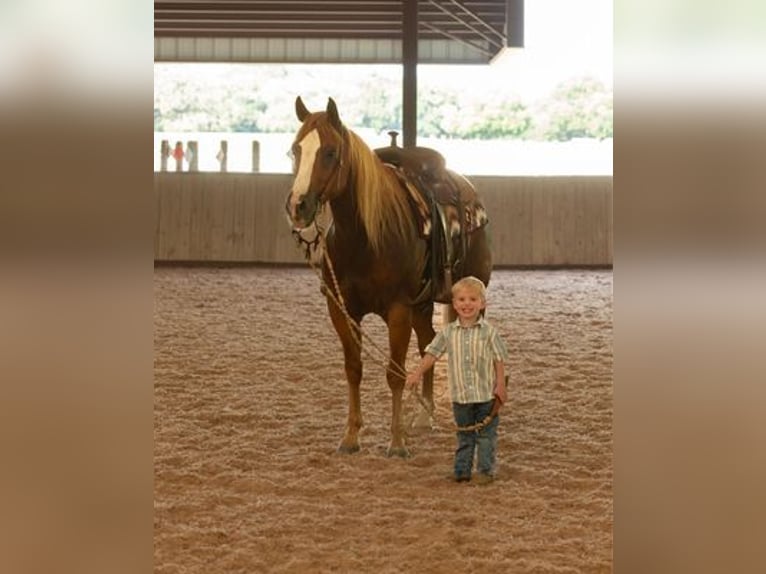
400 451
348 449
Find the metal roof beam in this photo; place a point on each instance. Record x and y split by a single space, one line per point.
481 49
282 7
464 23
469 29
478 19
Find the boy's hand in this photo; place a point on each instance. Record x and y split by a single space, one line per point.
412 380
501 392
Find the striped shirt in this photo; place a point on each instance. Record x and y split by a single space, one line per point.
471 354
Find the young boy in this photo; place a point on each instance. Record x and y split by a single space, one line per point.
476 374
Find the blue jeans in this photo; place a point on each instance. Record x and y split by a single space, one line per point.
483 441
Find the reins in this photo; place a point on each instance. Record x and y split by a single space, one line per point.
356 329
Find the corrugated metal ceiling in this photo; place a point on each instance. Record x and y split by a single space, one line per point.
478 28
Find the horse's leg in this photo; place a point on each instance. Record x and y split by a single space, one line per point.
422 321
478 262
448 314
399 321
352 359
478 258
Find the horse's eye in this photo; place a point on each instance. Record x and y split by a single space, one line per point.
330 155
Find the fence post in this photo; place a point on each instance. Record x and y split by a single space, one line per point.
178 155
192 156
222 155
256 156
164 155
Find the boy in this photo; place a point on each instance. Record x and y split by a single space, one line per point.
476 374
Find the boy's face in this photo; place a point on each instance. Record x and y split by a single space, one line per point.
468 303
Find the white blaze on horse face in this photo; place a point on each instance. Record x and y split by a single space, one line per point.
309 146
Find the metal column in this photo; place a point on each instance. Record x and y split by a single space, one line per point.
410 77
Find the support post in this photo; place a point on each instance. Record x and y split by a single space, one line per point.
514 23
222 155
164 155
178 155
410 74
192 155
256 156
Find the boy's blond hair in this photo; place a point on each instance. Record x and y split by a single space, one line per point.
471 283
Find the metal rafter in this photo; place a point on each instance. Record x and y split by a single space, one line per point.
475 23
457 18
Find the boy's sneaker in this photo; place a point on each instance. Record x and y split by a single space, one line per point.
459 478
484 479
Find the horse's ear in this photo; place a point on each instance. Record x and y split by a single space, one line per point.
300 109
332 113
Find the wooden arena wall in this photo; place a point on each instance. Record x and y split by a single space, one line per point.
534 221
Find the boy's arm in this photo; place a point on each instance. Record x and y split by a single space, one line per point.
426 363
500 390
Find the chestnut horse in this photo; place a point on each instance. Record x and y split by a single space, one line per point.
375 252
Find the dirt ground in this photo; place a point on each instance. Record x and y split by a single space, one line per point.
250 405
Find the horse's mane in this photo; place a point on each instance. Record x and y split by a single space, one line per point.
383 206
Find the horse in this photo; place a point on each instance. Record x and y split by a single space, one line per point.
377 258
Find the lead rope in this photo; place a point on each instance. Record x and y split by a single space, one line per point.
356 329
337 298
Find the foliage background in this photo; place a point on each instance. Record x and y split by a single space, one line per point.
259 99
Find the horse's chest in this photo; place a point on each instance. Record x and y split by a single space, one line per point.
372 292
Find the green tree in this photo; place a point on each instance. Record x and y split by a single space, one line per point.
448 113
496 119
577 108
379 106
240 98
439 112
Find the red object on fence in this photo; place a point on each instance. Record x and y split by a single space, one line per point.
178 152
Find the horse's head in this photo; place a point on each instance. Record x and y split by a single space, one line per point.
319 169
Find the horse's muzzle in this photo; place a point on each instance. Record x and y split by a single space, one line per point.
302 210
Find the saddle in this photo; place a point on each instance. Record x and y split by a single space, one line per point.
447 208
